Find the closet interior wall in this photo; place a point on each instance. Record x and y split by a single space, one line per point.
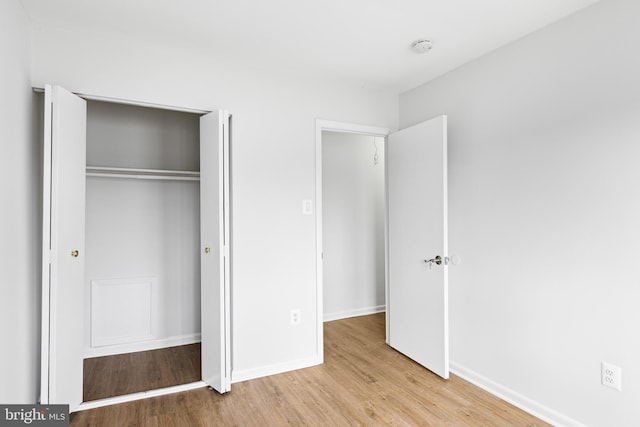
142 229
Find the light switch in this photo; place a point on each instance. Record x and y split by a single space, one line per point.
307 207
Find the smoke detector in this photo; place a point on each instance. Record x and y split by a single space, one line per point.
422 45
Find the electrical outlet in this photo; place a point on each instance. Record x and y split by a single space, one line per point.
612 376
295 316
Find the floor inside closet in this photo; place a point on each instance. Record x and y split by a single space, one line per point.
121 374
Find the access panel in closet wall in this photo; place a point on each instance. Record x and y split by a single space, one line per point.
142 229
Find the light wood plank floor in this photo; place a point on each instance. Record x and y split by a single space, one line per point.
120 374
363 382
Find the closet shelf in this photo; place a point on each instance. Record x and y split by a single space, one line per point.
132 173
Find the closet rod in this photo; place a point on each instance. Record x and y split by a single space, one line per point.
136 173
136 176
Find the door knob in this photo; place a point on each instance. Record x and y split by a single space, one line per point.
437 260
207 250
75 254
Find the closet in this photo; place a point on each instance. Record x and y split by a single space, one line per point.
136 236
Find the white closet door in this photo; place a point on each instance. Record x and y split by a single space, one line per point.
63 247
214 229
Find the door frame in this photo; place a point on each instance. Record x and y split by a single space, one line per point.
344 127
226 211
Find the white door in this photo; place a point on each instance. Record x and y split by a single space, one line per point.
214 229
417 304
63 247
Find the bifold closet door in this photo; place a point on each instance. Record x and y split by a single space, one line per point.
214 229
63 247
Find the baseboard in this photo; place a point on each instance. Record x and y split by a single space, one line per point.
111 350
528 405
354 313
250 374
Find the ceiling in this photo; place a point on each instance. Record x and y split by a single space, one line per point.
363 42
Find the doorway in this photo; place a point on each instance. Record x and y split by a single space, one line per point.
416 235
142 281
147 190
350 229
353 186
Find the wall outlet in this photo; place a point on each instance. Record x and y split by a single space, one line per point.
295 316
612 376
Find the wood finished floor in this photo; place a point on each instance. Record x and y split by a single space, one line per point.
363 382
121 374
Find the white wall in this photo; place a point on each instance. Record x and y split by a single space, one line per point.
273 167
19 218
353 203
544 211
